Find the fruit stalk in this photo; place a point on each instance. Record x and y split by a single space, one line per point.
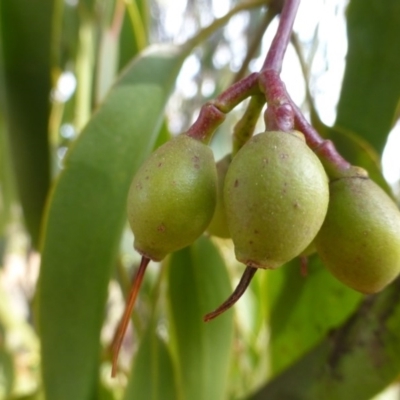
209 119
282 112
244 128
212 114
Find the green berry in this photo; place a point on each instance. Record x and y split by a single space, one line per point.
359 241
219 225
172 197
276 197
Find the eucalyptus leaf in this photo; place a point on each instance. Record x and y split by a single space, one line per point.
371 84
85 217
198 283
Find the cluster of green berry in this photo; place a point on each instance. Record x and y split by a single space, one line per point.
275 200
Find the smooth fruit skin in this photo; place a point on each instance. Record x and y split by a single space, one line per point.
172 197
276 197
359 241
219 224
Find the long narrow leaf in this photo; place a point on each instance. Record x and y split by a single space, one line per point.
356 361
26 27
152 376
371 85
198 283
85 218
303 309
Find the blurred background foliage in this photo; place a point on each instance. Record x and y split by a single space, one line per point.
88 89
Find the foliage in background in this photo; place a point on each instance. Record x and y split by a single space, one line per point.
67 156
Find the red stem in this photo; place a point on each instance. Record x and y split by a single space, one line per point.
276 52
282 113
212 114
207 122
120 333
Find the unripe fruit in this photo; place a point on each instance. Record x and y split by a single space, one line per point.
276 197
219 225
170 203
359 241
172 197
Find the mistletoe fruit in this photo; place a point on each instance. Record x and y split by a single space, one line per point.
359 241
276 197
172 197
219 224
171 202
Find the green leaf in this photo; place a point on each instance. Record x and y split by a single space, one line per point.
356 361
85 218
127 43
25 28
304 309
134 30
198 283
152 376
371 84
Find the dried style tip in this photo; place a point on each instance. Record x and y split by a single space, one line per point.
120 333
235 296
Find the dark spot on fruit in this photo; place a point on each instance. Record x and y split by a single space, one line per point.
196 159
256 231
265 161
296 205
236 183
197 166
250 242
147 178
283 156
159 164
161 228
138 186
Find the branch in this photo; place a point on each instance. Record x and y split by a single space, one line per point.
276 52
